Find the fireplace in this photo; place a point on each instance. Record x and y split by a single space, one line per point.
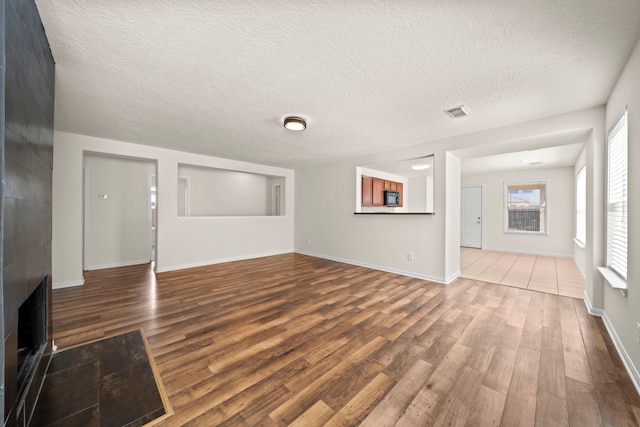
32 334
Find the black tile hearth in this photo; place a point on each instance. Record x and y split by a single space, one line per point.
105 383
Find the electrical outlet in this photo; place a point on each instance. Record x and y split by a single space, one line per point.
410 256
638 332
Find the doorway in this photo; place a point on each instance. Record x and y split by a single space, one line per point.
120 201
471 217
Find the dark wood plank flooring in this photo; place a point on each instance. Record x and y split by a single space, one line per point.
297 340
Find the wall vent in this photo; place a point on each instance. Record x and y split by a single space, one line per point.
458 112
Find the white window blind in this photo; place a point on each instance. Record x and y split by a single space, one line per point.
617 195
581 206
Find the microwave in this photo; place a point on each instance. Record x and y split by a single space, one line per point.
391 198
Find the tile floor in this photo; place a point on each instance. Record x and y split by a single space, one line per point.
105 383
558 276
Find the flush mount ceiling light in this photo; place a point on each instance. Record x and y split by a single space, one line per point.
295 123
420 166
458 112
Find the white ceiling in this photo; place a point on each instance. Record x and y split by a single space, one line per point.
218 78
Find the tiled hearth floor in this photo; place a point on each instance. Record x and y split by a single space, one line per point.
105 383
552 275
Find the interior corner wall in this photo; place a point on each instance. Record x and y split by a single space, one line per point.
181 242
561 209
620 312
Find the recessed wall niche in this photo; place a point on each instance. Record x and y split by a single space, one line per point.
205 192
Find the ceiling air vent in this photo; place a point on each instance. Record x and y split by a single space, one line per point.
457 112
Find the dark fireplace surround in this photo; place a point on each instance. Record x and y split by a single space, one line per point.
26 163
32 336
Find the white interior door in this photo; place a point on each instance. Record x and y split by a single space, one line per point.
471 217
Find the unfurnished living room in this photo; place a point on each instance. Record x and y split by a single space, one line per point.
320 213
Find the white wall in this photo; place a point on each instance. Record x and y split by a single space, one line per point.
560 212
216 192
117 226
580 253
325 224
327 227
182 242
619 312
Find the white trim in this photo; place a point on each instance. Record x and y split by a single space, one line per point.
440 280
86 181
547 216
614 280
68 284
579 243
217 261
523 251
118 264
626 360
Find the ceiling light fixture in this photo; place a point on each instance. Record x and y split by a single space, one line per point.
295 123
420 166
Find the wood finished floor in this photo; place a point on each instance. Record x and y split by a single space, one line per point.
297 340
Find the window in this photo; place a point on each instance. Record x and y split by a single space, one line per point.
617 195
581 206
525 207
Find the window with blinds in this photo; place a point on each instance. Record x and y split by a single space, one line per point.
617 196
581 206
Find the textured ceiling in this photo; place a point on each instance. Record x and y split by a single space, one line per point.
218 78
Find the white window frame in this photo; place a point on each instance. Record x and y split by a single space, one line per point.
581 207
546 221
617 193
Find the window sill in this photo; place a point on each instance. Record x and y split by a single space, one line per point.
615 281
530 233
579 243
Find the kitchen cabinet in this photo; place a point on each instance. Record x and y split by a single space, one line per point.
373 190
367 191
378 192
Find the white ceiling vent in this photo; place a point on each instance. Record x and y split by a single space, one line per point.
457 112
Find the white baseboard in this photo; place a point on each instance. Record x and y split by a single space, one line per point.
118 264
68 284
441 280
217 261
626 360
526 252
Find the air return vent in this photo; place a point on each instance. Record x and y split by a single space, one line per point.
458 112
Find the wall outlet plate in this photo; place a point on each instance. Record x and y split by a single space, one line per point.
410 256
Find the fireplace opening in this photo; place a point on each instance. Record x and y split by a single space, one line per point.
32 334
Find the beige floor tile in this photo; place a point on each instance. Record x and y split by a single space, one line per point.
540 273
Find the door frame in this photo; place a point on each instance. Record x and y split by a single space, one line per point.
482 210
